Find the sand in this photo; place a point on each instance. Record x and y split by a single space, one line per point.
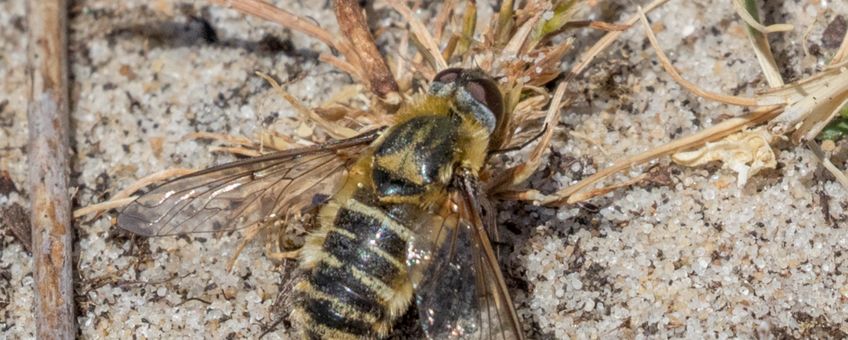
695 256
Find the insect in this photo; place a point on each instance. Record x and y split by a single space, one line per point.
404 225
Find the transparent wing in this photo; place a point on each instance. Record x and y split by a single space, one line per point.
459 289
239 194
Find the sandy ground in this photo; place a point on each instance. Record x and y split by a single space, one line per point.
695 257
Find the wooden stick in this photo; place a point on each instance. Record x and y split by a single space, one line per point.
352 23
47 117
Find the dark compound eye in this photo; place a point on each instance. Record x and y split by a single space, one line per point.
477 91
487 93
483 89
448 75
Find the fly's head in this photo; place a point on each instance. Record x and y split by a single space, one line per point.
473 92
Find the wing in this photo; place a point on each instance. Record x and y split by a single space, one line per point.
459 289
239 194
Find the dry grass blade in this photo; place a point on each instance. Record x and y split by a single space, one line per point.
269 12
745 12
598 25
828 165
519 39
335 130
352 23
469 26
219 137
504 23
669 68
274 141
122 198
794 92
236 150
151 179
583 196
249 235
841 54
523 171
586 57
831 87
758 40
718 131
422 36
442 19
813 103
342 65
103 206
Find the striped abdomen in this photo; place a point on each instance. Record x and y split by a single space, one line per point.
356 282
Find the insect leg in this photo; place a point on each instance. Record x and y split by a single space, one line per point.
284 255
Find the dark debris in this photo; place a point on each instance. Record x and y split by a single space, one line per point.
15 219
7 186
833 33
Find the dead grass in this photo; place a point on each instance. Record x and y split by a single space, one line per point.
520 48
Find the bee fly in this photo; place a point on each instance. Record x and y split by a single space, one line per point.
404 227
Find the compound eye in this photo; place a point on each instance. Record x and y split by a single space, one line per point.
448 75
487 93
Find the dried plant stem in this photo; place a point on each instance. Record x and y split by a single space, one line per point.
234 140
151 179
269 12
103 206
669 68
747 10
828 165
523 171
422 35
586 57
504 22
720 130
342 65
441 20
337 131
236 150
249 235
585 195
842 53
353 25
47 116
598 25
519 38
757 37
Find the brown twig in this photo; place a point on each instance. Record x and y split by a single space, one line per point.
269 12
353 25
47 116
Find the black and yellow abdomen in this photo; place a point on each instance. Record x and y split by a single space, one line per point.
356 282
